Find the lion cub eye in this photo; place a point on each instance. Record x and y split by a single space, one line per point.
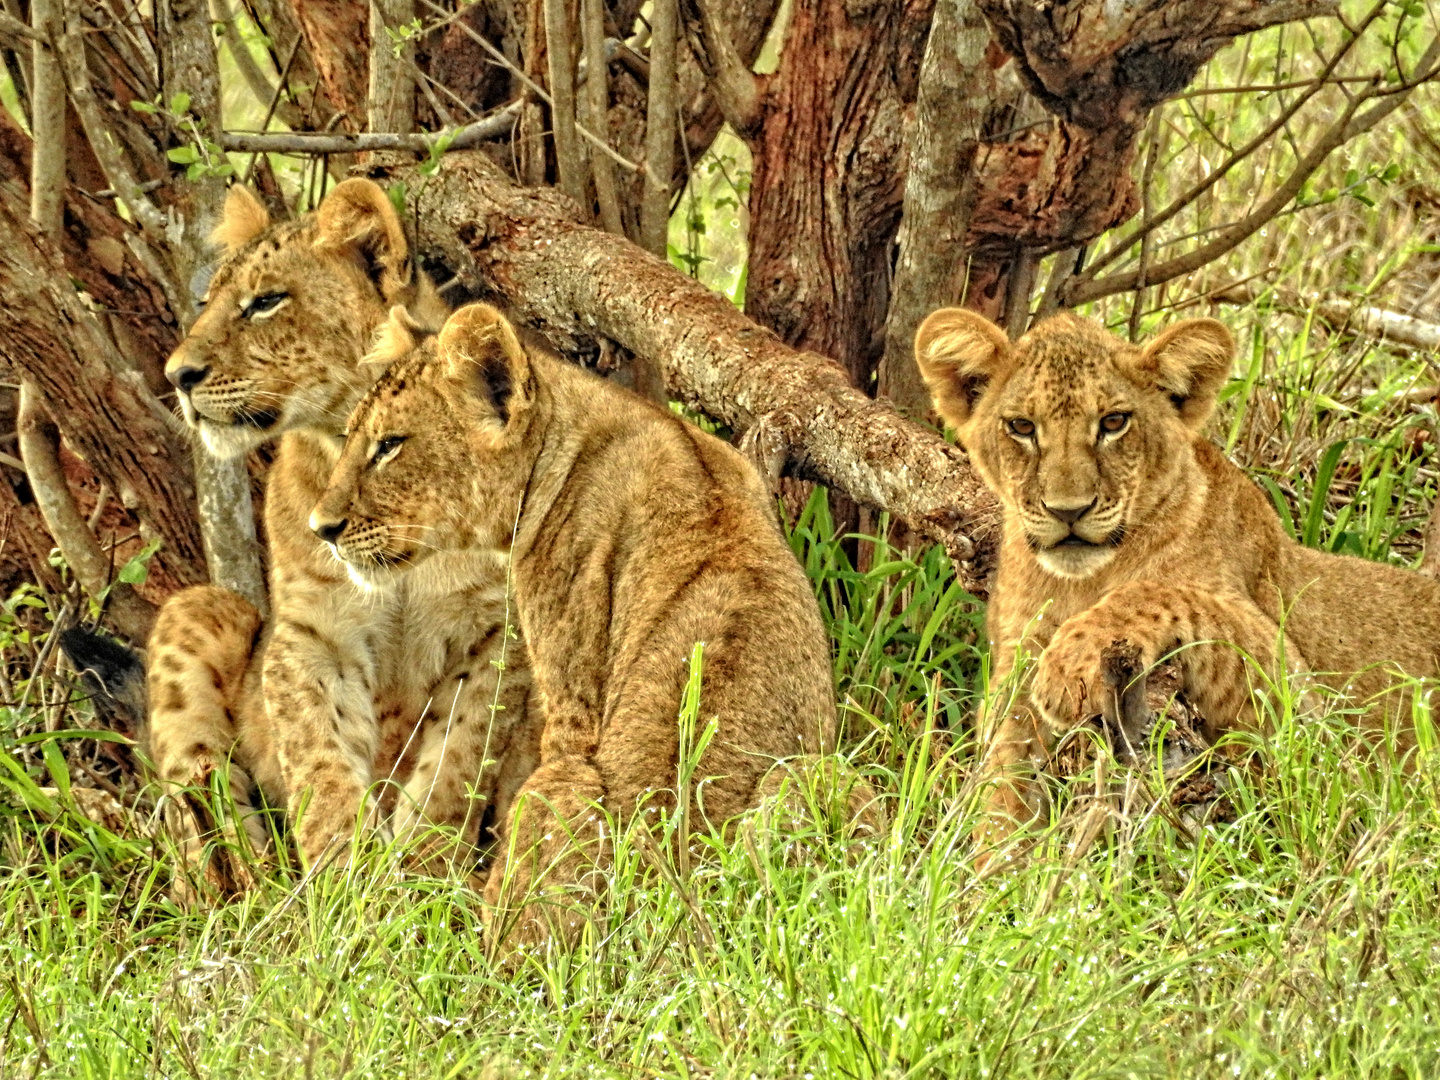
1114 423
1021 428
387 448
263 304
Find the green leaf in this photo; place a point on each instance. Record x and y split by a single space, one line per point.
144 107
397 194
180 103
183 155
55 763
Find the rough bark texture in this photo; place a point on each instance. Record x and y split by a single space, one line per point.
337 33
121 431
39 444
392 85
796 410
829 172
1098 68
956 88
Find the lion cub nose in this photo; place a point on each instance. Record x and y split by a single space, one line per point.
1069 514
329 531
187 377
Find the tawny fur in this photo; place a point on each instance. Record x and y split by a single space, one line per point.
343 687
1182 546
633 535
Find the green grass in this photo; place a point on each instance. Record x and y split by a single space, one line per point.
1300 941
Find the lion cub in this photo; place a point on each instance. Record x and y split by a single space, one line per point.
1123 523
632 535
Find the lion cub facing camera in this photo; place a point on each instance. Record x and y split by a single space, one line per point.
632 536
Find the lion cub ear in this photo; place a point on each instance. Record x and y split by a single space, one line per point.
359 214
1190 362
479 349
960 353
244 219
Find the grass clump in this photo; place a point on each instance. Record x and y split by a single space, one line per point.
1298 941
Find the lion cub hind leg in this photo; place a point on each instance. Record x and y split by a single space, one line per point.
552 849
1222 639
200 652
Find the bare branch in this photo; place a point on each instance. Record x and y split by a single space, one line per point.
284 142
15 33
597 102
40 448
1262 139
661 114
112 162
535 88
47 121
1082 291
559 53
1374 322
737 89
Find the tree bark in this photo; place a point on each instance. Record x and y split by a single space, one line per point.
125 436
828 181
392 86
956 87
796 410
39 442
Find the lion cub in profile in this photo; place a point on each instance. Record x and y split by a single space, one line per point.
632 535
1123 523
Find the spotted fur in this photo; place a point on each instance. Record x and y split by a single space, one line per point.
341 688
633 535
1146 534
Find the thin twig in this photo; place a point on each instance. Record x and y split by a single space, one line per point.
305 142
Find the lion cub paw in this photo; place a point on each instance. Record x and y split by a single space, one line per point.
1072 683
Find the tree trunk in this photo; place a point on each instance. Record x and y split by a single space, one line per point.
828 182
110 418
956 91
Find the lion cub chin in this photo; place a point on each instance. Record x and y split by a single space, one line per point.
632 536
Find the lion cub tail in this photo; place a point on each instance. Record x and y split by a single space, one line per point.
114 676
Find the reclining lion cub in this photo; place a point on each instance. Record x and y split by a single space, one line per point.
1122 522
632 536
340 688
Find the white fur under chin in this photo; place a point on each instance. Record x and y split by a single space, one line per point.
1075 563
226 441
364 582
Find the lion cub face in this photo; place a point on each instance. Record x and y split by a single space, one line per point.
436 457
288 314
1076 431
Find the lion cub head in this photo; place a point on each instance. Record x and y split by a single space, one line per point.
290 312
438 455
1082 436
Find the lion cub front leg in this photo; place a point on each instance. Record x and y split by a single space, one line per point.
1225 636
199 653
475 741
320 691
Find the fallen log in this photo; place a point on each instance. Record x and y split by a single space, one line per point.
795 412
